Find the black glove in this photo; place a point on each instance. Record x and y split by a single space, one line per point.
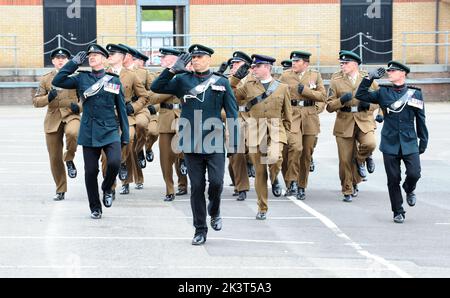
223 67
421 149
151 109
300 88
379 118
74 108
180 64
346 97
52 95
79 58
242 71
130 109
377 73
363 106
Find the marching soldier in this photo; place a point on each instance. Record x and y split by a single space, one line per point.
268 103
62 118
354 123
238 161
136 97
402 105
204 95
101 128
306 88
169 113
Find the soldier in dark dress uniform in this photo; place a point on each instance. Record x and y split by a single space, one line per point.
402 106
201 130
102 96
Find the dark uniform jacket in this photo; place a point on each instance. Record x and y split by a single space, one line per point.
219 95
398 135
99 123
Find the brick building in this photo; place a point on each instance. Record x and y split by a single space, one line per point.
274 27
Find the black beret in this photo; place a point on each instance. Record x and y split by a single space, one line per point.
143 57
395 65
169 51
60 52
297 55
131 51
349 56
286 63
262 59
198 49
241 56
96 48
115 48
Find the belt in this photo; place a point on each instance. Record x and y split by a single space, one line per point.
352 109
301 103
170 106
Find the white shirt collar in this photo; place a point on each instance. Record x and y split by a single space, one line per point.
267 81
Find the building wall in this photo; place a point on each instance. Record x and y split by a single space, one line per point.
26 22
283 19
116 22
24 18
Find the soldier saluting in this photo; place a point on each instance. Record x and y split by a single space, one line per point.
402 105
201 129
102 96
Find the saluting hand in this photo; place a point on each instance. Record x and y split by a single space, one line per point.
180 64
242 71
377 74
223 67
79 57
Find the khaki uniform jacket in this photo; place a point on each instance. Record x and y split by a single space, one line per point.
345 121
133 88
59 109
146 77
166 116
277 105
305 119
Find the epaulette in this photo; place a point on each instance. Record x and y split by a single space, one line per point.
220 74
414 87
385 85
337 74
112 74
47 74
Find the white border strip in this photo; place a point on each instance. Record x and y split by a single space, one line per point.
335 229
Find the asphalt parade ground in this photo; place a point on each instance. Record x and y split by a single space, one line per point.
143 236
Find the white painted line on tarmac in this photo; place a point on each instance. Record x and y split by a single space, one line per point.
157 217
338 232
47 238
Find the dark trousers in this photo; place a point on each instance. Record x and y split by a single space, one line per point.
197 164
393 172
91 156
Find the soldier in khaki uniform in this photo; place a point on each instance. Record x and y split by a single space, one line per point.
354 127
136 98
268 103
306 88
238 161
62 118
144 118
170 110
